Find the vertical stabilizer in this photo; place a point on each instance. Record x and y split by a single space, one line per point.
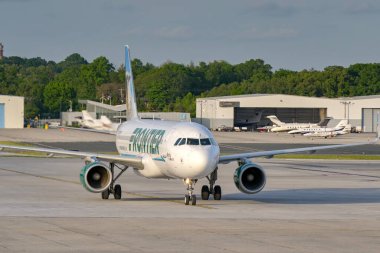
275 120
342 124
130 87
324 122
86 115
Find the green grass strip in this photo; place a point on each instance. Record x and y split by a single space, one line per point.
329 156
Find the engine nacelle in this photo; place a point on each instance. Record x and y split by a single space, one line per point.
250 178
95 177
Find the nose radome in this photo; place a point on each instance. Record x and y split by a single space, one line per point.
202 162
199 159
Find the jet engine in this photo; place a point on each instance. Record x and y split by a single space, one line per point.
250 178
95 177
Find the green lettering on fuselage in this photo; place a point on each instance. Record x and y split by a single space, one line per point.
145 140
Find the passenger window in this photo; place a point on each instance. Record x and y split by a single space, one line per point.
191 141
182 142
177 141
205 142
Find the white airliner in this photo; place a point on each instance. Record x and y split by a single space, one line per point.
171 150
279 126
340 126
103 123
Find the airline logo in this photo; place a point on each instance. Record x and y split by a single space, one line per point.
146 140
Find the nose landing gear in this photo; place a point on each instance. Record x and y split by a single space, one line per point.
190 197
214 190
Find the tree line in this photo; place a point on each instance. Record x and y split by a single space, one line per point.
50 87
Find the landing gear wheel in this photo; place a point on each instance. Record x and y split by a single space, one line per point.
217 192
105 194
187 199
205 192
193 200
117 191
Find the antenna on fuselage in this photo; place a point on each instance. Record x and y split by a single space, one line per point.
130 87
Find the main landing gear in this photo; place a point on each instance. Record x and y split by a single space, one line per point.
214 190
114 189
190 197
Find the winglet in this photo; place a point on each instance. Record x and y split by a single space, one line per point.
130 87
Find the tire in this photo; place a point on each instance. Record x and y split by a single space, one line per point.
193 200
117 192
187 199
106 194
217 192
205 192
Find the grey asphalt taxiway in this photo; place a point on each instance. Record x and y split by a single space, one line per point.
306 206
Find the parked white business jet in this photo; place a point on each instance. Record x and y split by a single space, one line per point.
330 132
172 150
340 126
104 123
279 126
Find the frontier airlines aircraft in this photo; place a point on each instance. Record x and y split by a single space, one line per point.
171 150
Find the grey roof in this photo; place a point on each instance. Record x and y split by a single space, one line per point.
261 95
116 108
11 96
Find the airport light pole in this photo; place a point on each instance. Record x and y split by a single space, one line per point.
347 109
201 102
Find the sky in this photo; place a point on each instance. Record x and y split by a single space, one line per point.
287 34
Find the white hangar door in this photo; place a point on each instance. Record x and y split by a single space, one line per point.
370 119
2 116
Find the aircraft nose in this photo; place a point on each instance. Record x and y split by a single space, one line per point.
203 162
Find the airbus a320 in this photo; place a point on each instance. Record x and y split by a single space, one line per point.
167 149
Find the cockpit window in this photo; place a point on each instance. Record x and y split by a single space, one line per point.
177 141
191 141
205 142
213 142
182 142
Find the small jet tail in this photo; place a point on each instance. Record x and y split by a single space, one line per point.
86 115
341 125
324 122
130 87
106 121
275 120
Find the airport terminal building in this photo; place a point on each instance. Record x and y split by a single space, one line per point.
11 111
251 110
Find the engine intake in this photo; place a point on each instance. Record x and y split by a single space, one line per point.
95 177
250 178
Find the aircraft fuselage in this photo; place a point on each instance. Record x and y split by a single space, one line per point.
169 149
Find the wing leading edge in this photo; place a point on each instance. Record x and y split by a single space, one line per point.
132 160
271 153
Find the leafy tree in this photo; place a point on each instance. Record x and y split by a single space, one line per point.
57 96
73 60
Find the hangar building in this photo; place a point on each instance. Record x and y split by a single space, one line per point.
11 111
251 110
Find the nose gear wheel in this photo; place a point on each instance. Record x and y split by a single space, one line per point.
190 197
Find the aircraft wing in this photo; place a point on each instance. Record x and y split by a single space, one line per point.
271 153
132 161
111 132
